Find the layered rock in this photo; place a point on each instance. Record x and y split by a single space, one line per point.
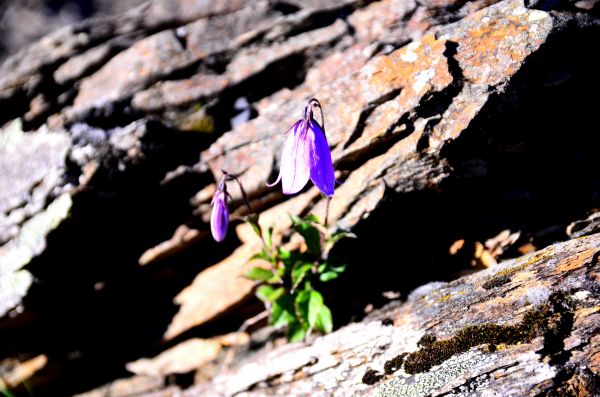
450 123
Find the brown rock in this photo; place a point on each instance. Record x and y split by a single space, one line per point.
181 359
80 64
182 237
214 291
129 387
132 69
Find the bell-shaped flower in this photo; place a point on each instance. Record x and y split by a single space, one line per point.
219 217
306 155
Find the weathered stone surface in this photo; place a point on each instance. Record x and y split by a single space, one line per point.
162 12
214 291
436 115
244 64
14 372
182 237
147 60
24 190
336 364
78 65
183 358
179 92
386 95
25 220
128 387
187 356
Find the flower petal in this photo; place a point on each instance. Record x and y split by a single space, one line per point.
295 169
219 217
321 166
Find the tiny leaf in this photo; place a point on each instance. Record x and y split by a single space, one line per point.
340 234
327 276
269 239
260 255
296 332
308 304
311 218
268 293
284 254
282 311
259 274
311 235
324 321
299 272
252 219
339 269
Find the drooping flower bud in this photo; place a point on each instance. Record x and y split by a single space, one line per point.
219 217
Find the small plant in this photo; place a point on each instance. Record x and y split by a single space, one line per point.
289 285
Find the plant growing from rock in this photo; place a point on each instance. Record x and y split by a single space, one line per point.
290 280
289 283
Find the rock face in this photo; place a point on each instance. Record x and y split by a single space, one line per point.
461 134
535 333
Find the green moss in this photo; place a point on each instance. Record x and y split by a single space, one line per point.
528 262
496 281
437 351
197 123
394 364
371 377
426 340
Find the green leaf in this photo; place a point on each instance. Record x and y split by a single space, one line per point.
329 272
308 304
312 218
324 321
299 272
311 235
268 293
296 332
260 274
261 255
284 254
252 219
327 276
269 239
340 234
339 269
290 258
282 311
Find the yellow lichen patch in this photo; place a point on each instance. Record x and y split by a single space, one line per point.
444 298
575 262
415 68
527 262
499 38
397 82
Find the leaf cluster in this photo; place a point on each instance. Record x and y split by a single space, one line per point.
289 280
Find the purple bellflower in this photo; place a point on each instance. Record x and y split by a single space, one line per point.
219 217
306 155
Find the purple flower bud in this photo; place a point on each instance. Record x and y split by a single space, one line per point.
219 217
306 155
